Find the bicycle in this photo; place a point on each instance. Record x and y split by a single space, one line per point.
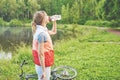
61 72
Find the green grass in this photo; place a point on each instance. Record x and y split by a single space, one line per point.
93 61
89 50
89 33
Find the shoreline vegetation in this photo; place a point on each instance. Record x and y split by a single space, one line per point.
27 23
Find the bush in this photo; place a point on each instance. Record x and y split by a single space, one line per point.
115 23
99 23
26 23
22 52
2 22
82 21
15 23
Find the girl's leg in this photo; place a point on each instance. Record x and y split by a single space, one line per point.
48 72
39 72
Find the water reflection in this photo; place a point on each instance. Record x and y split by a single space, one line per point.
10 37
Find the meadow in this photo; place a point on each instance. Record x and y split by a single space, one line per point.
92 51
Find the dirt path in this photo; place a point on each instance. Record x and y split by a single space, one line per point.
114 31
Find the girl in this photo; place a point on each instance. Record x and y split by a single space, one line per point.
42 48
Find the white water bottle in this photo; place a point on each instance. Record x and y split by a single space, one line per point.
55 17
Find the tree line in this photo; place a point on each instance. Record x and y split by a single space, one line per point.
72 11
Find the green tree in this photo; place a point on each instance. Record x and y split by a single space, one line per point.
72 11
20 9
75 13
46 5
65 13
32 6
108 10
112 9
8 9
100 12
87 9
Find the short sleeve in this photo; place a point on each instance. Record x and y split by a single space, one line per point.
42 37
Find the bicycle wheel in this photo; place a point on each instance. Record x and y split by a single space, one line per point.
65 72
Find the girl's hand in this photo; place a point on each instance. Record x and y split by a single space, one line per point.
43 77
54 21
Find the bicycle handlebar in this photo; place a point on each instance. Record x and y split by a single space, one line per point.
23 63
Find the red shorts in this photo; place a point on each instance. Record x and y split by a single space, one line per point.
49 58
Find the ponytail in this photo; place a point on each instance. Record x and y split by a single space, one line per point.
33 27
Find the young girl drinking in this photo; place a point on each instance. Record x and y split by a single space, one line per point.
42 48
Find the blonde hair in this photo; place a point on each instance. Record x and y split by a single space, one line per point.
38 19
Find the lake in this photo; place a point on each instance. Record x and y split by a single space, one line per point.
11 37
